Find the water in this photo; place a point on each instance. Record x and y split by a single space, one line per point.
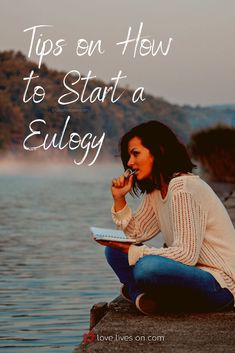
51 270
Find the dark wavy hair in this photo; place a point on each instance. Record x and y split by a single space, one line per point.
170 155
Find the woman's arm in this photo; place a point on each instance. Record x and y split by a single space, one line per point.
142 225
188 220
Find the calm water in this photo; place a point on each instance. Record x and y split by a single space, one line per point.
52 272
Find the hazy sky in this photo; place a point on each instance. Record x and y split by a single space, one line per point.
198 69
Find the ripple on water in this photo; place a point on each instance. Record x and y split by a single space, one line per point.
51 271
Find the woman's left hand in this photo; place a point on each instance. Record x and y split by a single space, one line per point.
116 245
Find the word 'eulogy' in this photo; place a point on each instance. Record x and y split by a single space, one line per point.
76 88
86 144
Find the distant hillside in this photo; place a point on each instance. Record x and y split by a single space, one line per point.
112 118
202 117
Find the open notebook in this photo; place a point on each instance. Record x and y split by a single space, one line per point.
110 235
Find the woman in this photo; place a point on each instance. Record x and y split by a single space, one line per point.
195 270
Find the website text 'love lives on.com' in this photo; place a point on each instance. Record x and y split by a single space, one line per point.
92 337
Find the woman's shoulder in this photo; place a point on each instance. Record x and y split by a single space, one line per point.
186 183
192 184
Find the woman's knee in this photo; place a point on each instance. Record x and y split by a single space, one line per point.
113 255
108 253
148 267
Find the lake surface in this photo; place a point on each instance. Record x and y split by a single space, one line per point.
52 272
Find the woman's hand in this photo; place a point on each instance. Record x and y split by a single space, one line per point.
120 187
116 245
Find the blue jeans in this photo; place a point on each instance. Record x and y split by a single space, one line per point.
175 286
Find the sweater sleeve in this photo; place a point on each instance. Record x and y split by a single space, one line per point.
188 226
142 225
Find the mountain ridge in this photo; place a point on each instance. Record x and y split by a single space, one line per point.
112 118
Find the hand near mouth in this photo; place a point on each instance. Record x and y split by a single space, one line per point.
129 172
121 186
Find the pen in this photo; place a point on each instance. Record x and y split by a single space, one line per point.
128 172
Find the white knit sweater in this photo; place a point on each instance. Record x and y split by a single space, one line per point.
194 223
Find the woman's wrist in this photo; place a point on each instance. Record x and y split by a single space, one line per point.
119 203
117 199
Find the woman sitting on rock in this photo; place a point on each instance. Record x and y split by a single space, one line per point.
195 269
